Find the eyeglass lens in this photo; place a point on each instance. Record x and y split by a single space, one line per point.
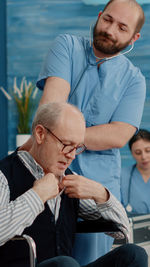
69 149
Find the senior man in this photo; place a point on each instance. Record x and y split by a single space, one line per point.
38 197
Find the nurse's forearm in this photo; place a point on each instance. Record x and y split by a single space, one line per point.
55 90
107 136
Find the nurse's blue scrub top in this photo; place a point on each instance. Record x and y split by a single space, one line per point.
135 191
113 92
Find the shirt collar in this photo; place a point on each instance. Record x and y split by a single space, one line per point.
30 163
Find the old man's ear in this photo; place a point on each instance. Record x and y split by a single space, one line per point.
39 133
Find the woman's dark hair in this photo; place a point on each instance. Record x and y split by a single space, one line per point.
142 134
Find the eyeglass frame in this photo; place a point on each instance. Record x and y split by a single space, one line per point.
64 145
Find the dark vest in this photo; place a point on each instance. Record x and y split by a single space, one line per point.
51 239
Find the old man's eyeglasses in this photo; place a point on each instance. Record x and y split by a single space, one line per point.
68 148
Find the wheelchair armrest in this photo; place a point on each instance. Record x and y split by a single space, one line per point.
32 247
96 226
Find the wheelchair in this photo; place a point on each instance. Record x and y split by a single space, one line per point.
95 226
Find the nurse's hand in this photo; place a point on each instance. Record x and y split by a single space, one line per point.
77 186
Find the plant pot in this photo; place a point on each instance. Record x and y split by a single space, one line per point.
21 139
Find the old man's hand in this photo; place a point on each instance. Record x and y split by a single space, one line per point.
77 186
46 187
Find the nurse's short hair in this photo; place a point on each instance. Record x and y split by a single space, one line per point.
142 134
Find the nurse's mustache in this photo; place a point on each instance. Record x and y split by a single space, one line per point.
106 35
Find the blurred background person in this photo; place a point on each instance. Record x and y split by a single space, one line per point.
135 179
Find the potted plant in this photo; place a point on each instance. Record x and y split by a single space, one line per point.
24 98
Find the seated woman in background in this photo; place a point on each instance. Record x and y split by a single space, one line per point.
135 179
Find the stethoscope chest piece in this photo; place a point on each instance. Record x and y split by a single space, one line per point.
128 208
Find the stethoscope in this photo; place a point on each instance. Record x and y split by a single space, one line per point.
95 63
128 206
89 63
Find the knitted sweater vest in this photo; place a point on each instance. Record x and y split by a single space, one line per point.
52 239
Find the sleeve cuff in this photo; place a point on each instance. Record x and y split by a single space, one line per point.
108 204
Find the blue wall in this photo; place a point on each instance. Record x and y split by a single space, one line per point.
31 27
3 82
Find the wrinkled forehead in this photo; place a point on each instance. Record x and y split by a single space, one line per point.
122 11
124 5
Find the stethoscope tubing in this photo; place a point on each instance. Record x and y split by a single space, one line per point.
100 61
83 72
128 206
